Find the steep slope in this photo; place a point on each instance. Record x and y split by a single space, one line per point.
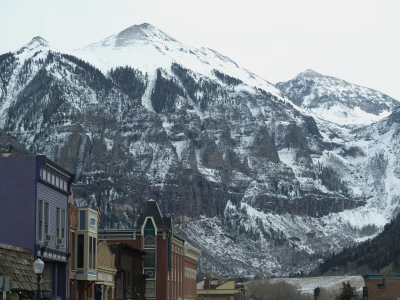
366 158
215 145
147 48
8 144
336 100
380 254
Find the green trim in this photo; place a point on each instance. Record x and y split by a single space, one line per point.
381 276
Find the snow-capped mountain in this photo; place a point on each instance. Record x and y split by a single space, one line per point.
147 48
237 165
336 100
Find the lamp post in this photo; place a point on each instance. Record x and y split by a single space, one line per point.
38 266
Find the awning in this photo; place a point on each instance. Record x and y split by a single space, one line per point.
17 263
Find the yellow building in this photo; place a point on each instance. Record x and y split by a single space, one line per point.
83 248
105 271
229 290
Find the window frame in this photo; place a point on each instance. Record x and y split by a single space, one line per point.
63 223
58 222
46 217
40 221
148 288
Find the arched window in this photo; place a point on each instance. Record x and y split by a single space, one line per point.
149 240
149 233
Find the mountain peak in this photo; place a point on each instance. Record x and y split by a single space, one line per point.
335 99
37 41
141 32
309 72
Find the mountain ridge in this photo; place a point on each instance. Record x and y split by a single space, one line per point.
336 100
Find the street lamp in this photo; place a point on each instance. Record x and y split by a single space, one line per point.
38 266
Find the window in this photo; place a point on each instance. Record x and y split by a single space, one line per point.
150 289
80 251
93 222
64 185
150 259
46 218
63 216
40 229
82 220
94 252
90 253
58 220
73 250
149 228
149 240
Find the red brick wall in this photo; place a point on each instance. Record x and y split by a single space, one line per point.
390 291
169 285
189 282
72 225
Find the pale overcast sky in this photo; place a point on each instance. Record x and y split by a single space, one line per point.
355 40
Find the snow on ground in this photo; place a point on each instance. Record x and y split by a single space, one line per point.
332 283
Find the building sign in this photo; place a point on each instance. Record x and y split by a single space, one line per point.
151 273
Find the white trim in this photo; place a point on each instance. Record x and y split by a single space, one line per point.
144 224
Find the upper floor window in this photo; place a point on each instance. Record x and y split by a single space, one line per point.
82 220
54 179
46 218
92 252
149 259
80 251
63 223
149 234
72 260
40 229
58 222
149 240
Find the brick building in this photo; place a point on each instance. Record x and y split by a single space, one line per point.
130 282
382 286
169 265
190 257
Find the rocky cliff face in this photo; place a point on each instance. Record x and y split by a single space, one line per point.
9 145
209 141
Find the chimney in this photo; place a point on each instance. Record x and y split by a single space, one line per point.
9 152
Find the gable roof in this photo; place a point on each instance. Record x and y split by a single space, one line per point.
17 263
153 210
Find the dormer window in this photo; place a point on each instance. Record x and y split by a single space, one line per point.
149 240
149 234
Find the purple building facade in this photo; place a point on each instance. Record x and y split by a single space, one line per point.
34 196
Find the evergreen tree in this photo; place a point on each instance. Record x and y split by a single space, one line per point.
347 292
